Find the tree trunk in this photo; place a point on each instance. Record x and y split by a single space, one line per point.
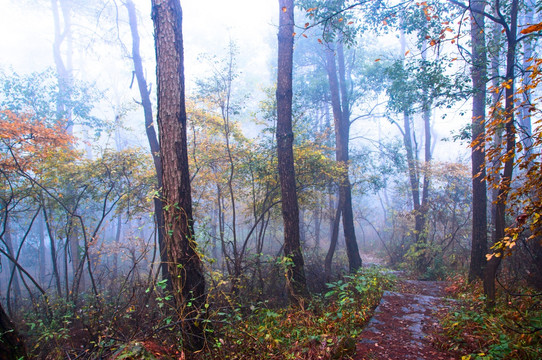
54 260
151 137
41 237
342 133
479 192
285 139
185 265
510 138
317 217
11 346
332 243
352 250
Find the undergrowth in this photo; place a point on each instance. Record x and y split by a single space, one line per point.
512 330
326 328
141 324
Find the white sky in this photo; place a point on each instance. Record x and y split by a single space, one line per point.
26 33
26 36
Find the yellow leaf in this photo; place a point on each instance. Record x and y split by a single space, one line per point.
284 9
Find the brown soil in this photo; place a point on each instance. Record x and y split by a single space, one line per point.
405 324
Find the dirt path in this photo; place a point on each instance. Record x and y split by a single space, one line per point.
404 323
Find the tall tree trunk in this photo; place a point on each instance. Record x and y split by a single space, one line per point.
342 133
11 345
479 191
62 12
421 228
185 265
151 138
285 139
352 250
510 139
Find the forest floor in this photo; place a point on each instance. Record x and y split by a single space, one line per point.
406 323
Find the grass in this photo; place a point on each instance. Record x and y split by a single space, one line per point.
512 330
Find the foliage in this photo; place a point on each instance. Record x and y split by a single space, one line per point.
525 196
27 143
510 331
39 94
448 224
326 328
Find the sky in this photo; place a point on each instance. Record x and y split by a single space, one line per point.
27 35
208 27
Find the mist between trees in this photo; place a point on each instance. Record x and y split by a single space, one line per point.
136 204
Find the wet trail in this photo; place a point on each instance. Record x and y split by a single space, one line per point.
405 322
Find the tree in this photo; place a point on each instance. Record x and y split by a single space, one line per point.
341 106
151 135
479 191
285 139
185 264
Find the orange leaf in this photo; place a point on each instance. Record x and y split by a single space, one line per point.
377 60
320 41
532 29
284 9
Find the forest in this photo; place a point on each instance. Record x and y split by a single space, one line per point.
260 179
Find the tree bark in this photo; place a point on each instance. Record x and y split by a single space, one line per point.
185 265
151 137
285 139
479 191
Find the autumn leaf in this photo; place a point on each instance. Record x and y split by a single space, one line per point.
284 9
532 29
